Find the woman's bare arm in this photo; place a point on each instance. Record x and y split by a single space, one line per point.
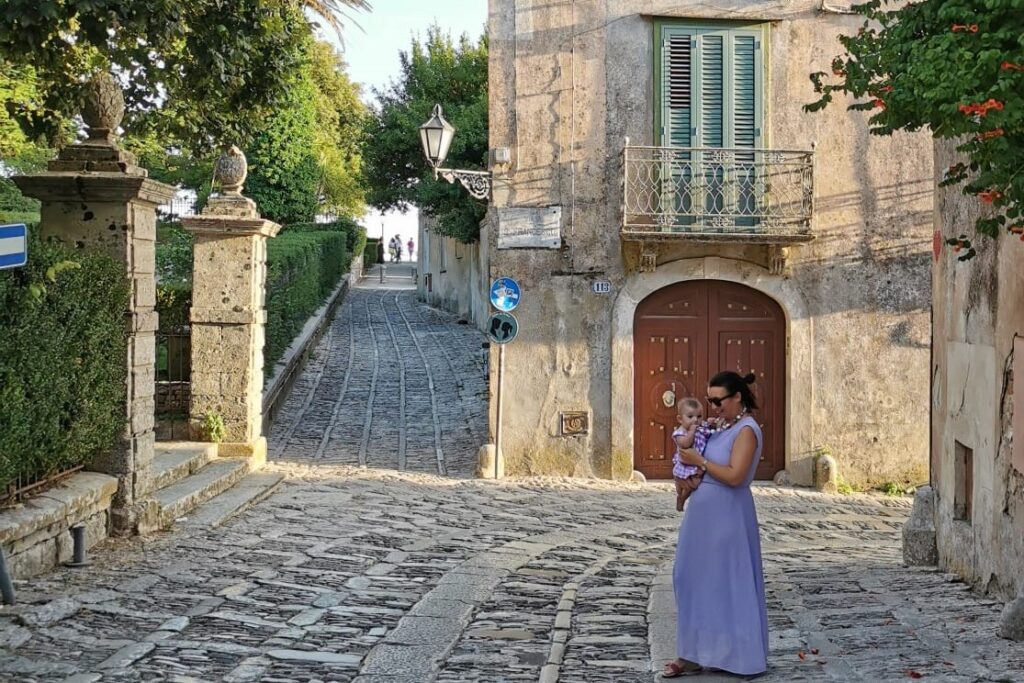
740 459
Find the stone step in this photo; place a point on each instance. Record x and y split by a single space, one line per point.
179 499
175 460
250 490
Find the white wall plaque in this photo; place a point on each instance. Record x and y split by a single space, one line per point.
530 228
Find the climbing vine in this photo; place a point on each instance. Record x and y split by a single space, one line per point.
955 67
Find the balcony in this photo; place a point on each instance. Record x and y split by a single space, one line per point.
753 196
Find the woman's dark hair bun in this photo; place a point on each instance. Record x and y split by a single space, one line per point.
750 378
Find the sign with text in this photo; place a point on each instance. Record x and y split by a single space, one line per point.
13 246
530 228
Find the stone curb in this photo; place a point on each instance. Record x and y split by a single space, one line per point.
287 370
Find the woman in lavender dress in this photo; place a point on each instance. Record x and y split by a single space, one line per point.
718 580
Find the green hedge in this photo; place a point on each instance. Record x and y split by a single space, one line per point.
355 234
302 269
173 253
370 252
62 360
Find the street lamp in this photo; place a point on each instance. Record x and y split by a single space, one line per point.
436 135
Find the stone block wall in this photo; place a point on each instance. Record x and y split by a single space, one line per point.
979 325
36 534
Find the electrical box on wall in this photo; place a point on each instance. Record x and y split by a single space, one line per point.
501 156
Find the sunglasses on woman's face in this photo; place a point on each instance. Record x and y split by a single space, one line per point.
717 402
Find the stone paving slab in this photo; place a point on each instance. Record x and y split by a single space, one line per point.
345 574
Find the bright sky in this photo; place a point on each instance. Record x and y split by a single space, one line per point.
372 56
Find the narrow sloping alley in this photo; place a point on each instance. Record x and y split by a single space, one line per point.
393 384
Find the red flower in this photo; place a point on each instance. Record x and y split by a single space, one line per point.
1010 66
981 109
965 28
989 196
879 102
998 132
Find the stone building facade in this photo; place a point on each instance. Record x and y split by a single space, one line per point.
977 466
452 275
670 211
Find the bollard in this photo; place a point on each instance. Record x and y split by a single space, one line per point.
6 587
78 553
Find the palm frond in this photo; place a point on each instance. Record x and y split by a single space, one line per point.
337 12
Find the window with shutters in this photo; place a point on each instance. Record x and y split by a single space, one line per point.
711 104
710 86
710 170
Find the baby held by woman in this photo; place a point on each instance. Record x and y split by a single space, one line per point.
692 432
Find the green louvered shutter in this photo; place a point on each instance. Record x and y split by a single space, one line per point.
711 83
677 87
711 93
677 97
745 91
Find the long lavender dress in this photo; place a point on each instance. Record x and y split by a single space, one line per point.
718 579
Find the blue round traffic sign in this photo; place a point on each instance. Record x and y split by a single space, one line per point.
505 293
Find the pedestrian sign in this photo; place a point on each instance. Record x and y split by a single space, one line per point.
502 328
505 294
13 246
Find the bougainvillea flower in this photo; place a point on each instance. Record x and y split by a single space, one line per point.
1010 66
997 133
989 196
879 102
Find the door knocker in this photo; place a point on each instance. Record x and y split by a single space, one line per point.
668 398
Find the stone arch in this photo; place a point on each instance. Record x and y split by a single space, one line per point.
799 350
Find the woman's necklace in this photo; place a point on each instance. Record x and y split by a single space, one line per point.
730 424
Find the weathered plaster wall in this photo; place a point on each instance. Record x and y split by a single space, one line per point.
458 273
979 314
569 82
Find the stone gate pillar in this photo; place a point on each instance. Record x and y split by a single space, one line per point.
95 198
228 315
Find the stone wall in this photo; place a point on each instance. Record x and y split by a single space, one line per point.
453 276
978 341
36 534
569 82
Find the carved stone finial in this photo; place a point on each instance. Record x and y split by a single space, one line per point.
230 171
103 110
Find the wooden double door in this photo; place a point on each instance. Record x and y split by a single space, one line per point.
683 335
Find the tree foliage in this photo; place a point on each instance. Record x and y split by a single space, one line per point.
305 158
955 67
213 71
341 120
436 70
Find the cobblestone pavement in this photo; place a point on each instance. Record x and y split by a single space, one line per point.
393 384
397 575
350 574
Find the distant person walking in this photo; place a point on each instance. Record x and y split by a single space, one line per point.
398 248
411 245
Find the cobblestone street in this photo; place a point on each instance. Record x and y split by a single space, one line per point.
393 384
378 575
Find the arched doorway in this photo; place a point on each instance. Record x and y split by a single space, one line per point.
685 333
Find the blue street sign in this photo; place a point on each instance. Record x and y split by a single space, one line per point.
505 294
13 246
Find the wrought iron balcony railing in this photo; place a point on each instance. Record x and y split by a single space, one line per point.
715 193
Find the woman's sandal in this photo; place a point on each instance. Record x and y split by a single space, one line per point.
681 667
